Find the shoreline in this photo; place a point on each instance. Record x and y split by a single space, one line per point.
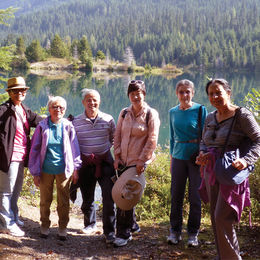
63 69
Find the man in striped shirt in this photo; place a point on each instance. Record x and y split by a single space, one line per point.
95 132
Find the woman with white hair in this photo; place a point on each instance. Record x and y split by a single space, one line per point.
186 123
54 155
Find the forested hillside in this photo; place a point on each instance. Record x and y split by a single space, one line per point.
205 33
25 6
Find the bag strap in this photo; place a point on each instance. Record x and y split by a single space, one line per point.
229 132
199 125
146 118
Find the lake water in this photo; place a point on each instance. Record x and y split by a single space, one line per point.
160 92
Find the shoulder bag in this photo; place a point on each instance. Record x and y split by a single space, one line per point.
225 172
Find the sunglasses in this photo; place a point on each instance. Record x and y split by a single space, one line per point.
133 82
18 90
57 108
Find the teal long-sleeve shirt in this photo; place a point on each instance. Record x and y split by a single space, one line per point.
184 127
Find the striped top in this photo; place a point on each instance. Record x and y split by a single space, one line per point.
97 137
214 133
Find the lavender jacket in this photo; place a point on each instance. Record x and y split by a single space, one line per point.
39 146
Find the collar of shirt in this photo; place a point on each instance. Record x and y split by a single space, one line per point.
143 109
52 125
91 120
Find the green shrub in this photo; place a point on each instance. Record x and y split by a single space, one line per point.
155 203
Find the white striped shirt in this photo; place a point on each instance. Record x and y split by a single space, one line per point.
97 137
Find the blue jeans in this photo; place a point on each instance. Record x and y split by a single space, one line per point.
87 184
181 170
10 187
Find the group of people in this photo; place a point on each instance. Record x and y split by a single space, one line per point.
196 142
78 152
75 152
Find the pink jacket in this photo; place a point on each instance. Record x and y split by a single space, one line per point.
134 139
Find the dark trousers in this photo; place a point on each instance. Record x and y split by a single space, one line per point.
181 170
125 223
87 183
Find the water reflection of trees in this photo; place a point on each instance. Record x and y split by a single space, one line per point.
160 92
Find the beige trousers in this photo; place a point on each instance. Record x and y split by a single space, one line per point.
46 197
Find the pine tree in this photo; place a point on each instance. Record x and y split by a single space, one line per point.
100 55
34 52
84 47
58 48
6 53
20 47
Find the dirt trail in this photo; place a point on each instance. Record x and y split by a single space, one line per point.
150 243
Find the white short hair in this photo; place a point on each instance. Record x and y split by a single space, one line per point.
88 91
185 82
53 99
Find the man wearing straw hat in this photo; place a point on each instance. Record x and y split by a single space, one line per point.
15 122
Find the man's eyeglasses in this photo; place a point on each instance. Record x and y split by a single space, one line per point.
18 90
57 108
214 135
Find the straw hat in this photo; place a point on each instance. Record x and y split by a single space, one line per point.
128 189
16 83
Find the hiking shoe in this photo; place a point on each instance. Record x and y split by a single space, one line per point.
89 230
118 242
135 230
174 239
62 234
193 241
14 230
110 238
44 232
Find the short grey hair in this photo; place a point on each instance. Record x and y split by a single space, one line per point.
88 91
185 82
53 99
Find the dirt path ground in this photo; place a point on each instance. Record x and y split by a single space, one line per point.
150 243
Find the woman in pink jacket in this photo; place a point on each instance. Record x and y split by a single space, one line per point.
135 141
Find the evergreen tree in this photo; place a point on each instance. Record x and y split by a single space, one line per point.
89 64
257 59
34 52
20 47
100 55
84 47
74 49
6 53
58 47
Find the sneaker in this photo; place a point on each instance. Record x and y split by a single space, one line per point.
62 234
121 241
174 239
20 222
14 230
88 230
110 238
44 232
193 241
135 230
